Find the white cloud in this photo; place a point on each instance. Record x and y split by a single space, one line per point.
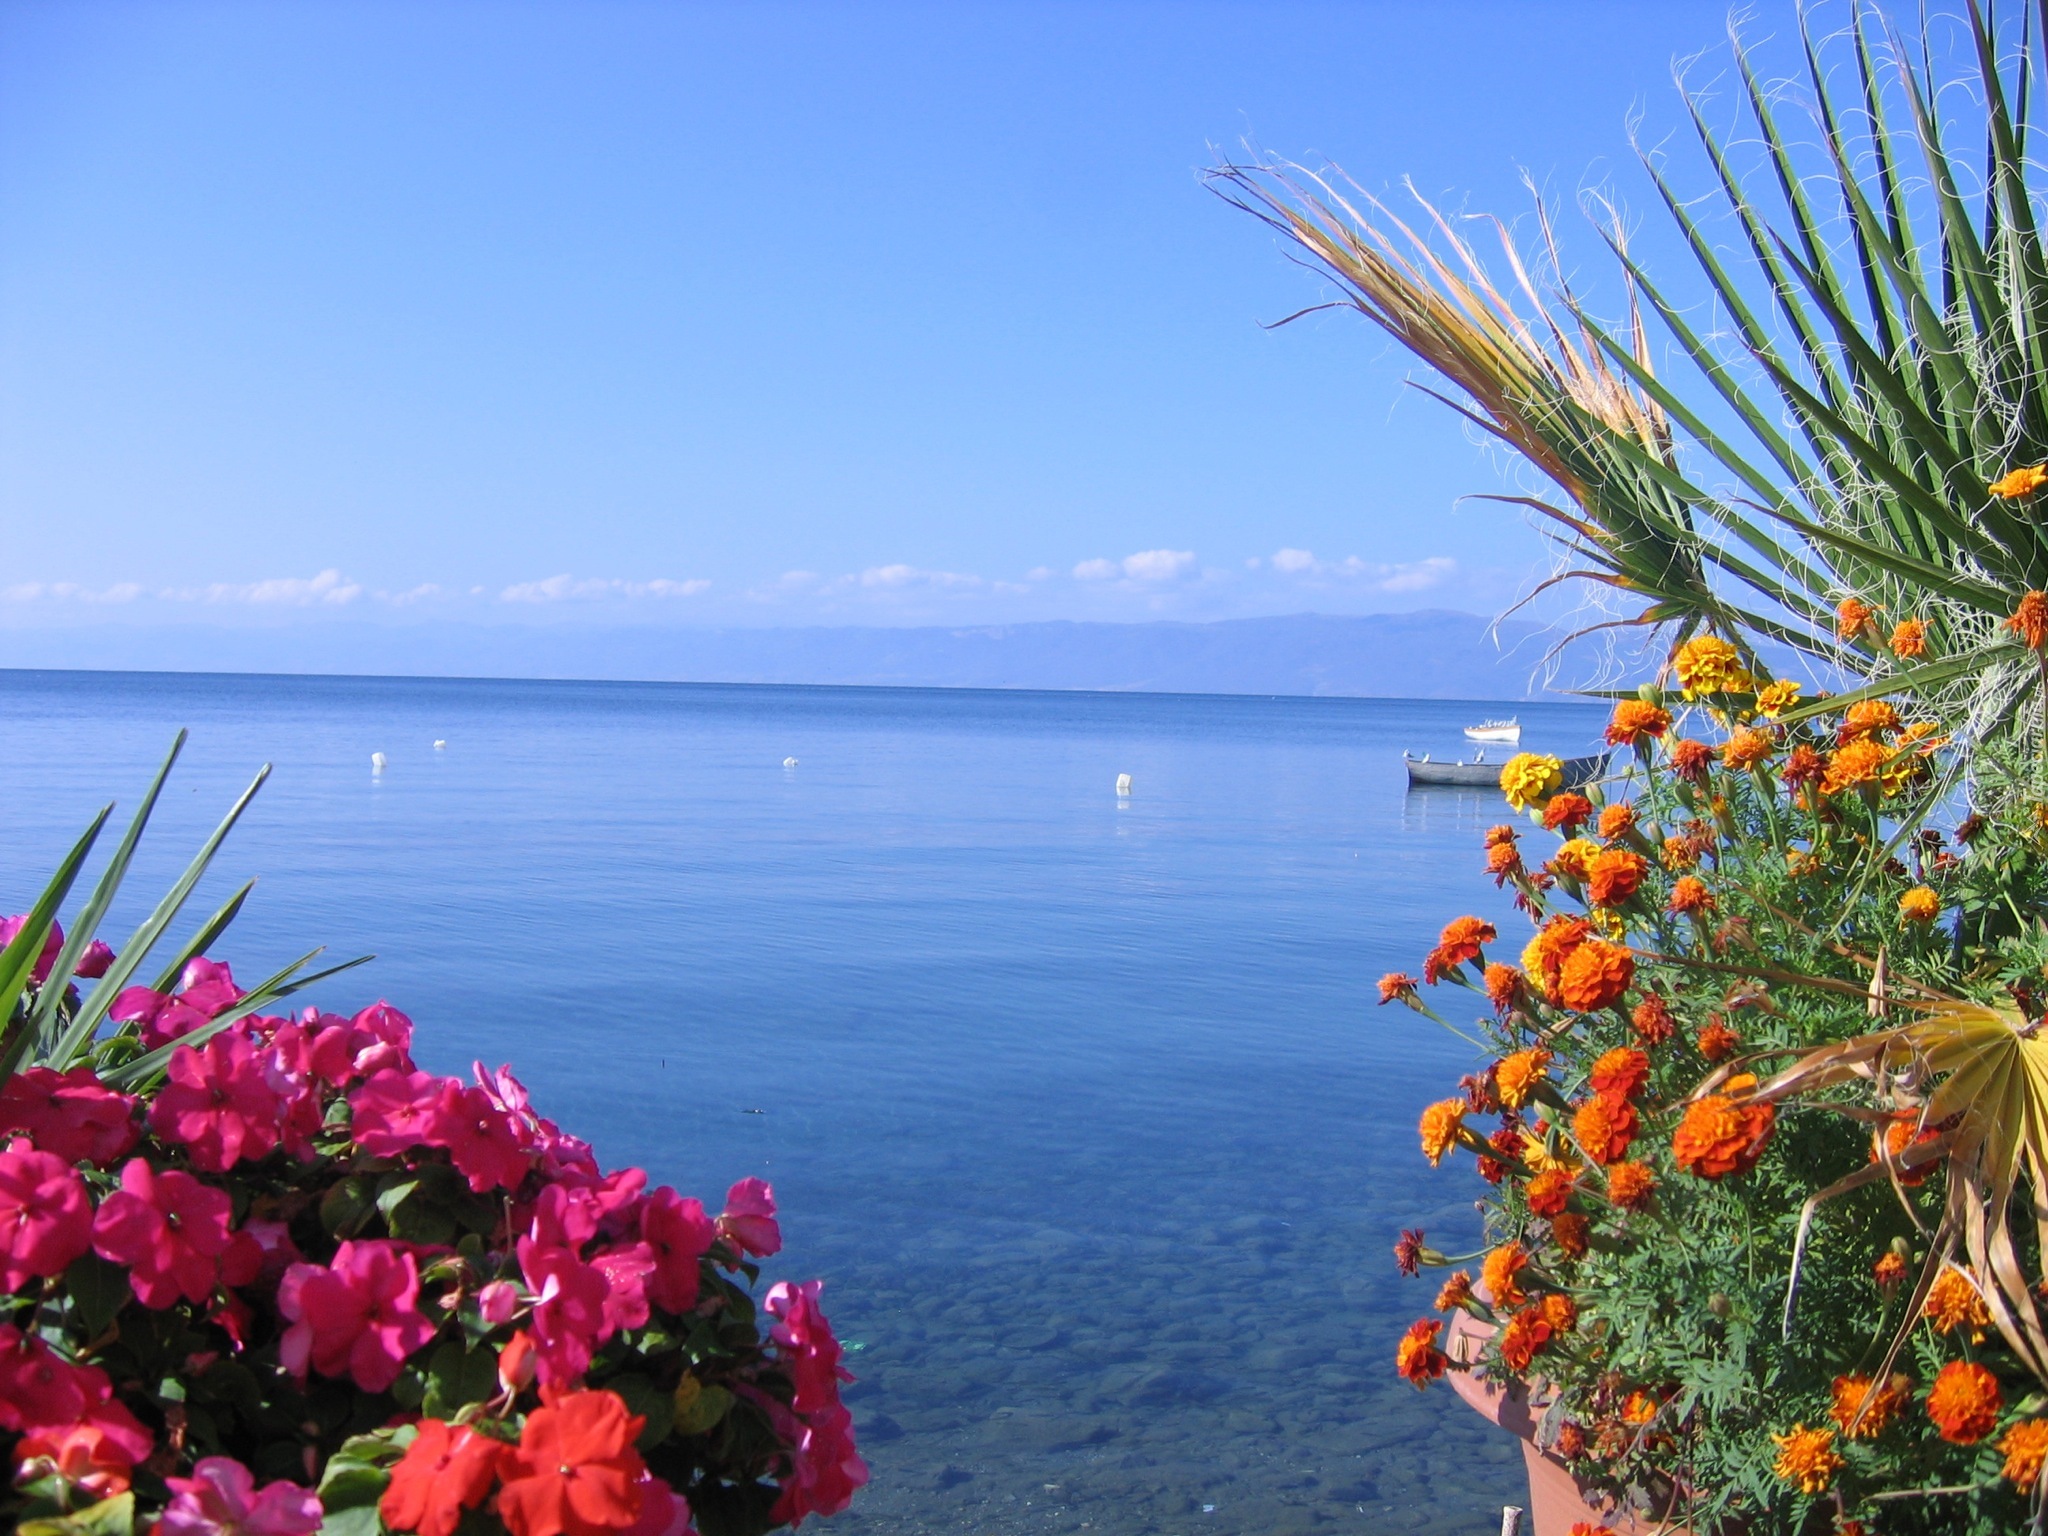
418 594
1409 576
329 589
1159 564
1292 560
909 576
567 588
1420 575
69 592
1095 570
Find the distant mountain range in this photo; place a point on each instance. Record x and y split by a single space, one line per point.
1432 654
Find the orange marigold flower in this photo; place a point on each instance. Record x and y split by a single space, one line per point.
1529 778
1679 853
1455 1293
1396 984
1717 1042
1501 1274
2030 620
1567 812
1709 664
1516 1077
1570 1232
1571 1445
1807 1457
1613 875
1617 820
2025 1446
1652 1020
1416 1357
1523 1338
1852 618
1746 748
1639 1409
1775 698
1871 718
1605 1128
1904 1132
1636 722
1548 1192
1503 832
1954 1302
1690 759
1863 1406
1595 976
446 1470
2017 483
1803 765
1503 862
1909 639
1543 958
1620 1073
1889 1271
1860 762
1964 1402
1560 1311
1441 1123
1460 941
1507 1142
1920 905
1503 986
1630 1185
1719 1136
575 1469
1689 893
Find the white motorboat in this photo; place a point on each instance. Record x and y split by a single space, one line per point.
1509 731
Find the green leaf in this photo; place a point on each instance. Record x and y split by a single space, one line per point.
644 1398
109 1517
98 1289
696 1408
347 1205
457 1376
353 1520
18 959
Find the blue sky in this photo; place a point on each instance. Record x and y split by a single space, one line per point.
758 314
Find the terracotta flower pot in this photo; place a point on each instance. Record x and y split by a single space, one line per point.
1557 1499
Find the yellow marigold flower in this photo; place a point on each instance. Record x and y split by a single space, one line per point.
1746 748
1517 1076
2026 1447
1529 778
1852 618
1572 856
1441 1123
1953 1302
1775 698
1909 639
1863 1407
1808 1458
2016 483
1709 664
1919 905
2030 620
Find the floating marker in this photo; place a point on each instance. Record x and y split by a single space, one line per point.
376 762
789 762
440 745
1123 784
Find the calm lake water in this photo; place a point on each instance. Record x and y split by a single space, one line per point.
1082 1107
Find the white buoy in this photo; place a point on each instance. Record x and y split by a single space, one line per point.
376 762
440 745
1123 784
789 762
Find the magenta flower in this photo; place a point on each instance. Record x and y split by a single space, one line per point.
209 986
480 1138
498 1302
359 1317
679 1234
219 1103
569 1310
220 1499
749 1220
339 1052
663 1511
564 1217
172 1233
45 1216
626 1270
92 964
163 1018
560 1153
391 1114
53 941
70 1115
40 1390
805 1345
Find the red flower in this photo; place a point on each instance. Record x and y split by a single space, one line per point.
219 1104
680 1234
1416 1357
748 1222
445 1471
68 1114
45 1216
172 1233
1567 812
574 1472
41 1391
359 1317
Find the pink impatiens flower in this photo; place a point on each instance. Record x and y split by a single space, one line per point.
678 1232
70 1115
827 1466
480 1137
172 1233
569 1310
219 1104
209 986
40 1390
45 1216
748 1222
359 1317
93 963
53 941
390 1114
220 1498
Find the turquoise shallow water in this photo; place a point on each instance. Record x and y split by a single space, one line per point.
1082 1107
